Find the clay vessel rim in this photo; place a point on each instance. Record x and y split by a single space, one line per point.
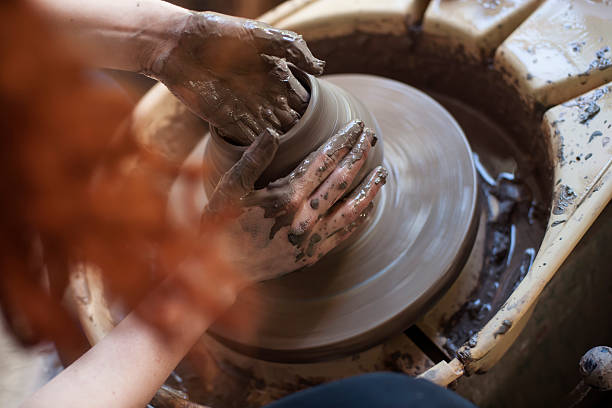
312 83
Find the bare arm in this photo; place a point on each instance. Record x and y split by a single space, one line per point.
128 366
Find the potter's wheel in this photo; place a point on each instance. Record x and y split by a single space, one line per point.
419 238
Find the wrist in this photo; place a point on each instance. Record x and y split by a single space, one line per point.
164 41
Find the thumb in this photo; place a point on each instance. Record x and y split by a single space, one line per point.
240 179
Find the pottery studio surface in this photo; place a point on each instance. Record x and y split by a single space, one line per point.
496 124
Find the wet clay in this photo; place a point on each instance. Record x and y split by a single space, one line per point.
233 73
422 230
501 129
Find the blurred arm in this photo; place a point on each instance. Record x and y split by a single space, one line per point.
118 34
128 366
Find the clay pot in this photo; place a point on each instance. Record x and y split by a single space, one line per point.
329 109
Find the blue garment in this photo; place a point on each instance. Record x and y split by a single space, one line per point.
376 390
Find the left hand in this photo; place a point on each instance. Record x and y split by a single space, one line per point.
295 220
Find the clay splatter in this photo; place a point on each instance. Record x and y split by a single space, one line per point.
594 135
565 198
503 328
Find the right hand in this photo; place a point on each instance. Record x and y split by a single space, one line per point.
294 221
233 73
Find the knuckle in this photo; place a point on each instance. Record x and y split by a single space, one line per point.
328 161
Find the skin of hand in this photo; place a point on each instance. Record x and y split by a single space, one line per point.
229 71
233 73
296 220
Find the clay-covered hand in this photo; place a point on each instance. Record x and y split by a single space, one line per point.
233 73
294 221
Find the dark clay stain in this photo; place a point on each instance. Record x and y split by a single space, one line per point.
557 223
577 45
314 203
587 104
503 328
595 134
565 198
473 341
464 355
310 251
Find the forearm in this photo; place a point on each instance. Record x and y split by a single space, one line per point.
127 367
119 34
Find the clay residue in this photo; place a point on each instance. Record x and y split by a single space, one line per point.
503 328
234 73
565 197
602 61
588 104
504 267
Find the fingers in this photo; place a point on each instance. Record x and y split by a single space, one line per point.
238 133
240 179
299 54
287 116
289 45
344 233
350 209
298 96
319 165
250 126
334 186
318 245
264 113
289 96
